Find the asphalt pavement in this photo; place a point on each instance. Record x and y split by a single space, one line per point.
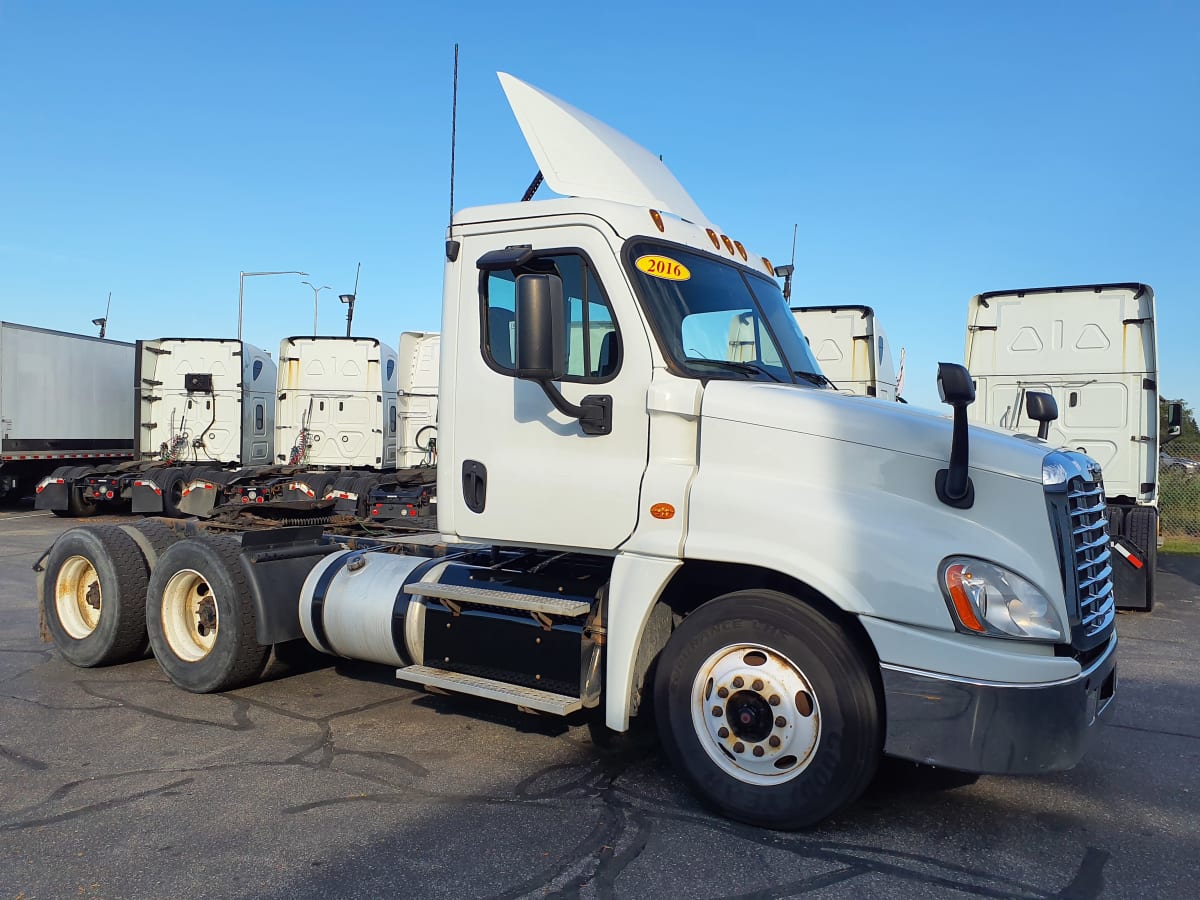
333 780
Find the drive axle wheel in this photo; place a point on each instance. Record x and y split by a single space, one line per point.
94 596
769 709
200 617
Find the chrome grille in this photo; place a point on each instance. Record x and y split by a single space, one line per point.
1093 574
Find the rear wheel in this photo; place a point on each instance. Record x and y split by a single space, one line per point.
200 617
172 482
94 596
768 710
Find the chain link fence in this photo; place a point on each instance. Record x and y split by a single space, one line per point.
1179 491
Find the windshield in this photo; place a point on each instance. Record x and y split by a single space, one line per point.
716 320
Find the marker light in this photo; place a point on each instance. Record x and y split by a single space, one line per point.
712 236
767 264
728 244
741 251
987 599
658 220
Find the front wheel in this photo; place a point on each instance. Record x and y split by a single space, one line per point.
768 709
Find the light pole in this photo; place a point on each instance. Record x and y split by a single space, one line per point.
242 276
348 299
316 292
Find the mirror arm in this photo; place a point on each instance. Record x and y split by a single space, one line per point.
953 484
594 412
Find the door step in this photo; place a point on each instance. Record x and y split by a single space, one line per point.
515 694
553 606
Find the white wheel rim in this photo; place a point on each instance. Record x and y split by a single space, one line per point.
756 714
77 597
189 615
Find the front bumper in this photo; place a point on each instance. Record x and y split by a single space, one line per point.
996 727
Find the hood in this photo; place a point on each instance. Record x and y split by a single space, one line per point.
580 156
861 420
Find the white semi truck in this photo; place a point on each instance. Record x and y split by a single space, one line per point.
65 400
852 348
1094 349
197 404
650 525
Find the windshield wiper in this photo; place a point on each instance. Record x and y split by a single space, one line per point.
816 378
746 368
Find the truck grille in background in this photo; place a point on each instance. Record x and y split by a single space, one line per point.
1088 571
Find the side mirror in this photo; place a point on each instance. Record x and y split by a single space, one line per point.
1043 409
953 484
540 328
1174 419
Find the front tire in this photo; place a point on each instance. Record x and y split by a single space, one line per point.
94 596
200 617
768 709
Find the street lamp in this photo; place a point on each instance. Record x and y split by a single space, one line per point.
348 299
316 291
242 276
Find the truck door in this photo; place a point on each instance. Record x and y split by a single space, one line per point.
533 476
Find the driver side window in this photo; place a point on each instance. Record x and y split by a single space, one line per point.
592 340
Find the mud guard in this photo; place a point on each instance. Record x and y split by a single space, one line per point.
276 562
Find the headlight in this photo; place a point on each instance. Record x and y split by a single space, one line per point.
987 599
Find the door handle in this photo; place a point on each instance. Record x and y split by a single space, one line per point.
474 483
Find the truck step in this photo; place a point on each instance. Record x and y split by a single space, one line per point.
554 606
515 694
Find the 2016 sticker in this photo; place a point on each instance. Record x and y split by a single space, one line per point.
663 267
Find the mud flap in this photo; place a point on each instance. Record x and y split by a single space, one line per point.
147 497
52 496
1130 571
199 498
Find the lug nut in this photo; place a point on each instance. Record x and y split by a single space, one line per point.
773 700
722 732
757 685
716 711
758 751
780 721
739 747
774 740
737 682
722 692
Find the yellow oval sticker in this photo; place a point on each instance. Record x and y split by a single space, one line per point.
663 267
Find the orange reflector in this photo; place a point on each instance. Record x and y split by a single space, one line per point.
767 263
958 593
728 244
712 236
662 511
657 217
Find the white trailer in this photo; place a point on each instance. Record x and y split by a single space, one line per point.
336 405
1094 349
198 403
852 348
802 581
65 399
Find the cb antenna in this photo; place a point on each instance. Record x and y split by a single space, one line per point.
453 132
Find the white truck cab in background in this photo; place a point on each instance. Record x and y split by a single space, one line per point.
1094 349
850 344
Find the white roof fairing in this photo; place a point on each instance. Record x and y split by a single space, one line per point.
580 156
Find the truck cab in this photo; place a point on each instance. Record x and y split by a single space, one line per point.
1094 349
852 348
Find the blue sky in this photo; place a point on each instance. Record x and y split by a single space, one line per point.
927 151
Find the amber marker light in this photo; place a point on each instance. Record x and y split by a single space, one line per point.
662 511
658 220
741 251
728 244
767 264
958 594
712 236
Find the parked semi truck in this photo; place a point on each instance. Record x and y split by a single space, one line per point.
65 400
198 404
1094 349
650 525
340 417
850 344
